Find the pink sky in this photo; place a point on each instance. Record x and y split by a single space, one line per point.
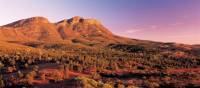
157 20
181 32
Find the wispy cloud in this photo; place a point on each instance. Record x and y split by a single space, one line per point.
182 36
176 23
153 26
130 31
139 28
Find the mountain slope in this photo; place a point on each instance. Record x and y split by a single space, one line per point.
39 32
31 29
40 29
80 27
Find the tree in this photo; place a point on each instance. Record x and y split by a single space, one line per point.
2 85
35 68
26 65
95 75
30 77
20 74
121 86
66 71
11 69
113 65
42 76
1 66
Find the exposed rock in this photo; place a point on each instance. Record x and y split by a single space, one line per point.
91 21
75 20
62 23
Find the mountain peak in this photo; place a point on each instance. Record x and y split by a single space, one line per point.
75 20
78 19
32 20
38 19
92 21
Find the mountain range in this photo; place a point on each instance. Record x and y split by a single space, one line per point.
40 29
78 31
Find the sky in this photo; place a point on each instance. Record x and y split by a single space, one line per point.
157 20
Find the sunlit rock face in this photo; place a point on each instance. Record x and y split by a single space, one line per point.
78 27
41 29
75 20
29 21
30 29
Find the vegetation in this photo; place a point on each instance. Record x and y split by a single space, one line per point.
103 66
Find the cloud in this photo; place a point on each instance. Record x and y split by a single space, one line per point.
183 36
177 23
153 26
139 28
133 31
